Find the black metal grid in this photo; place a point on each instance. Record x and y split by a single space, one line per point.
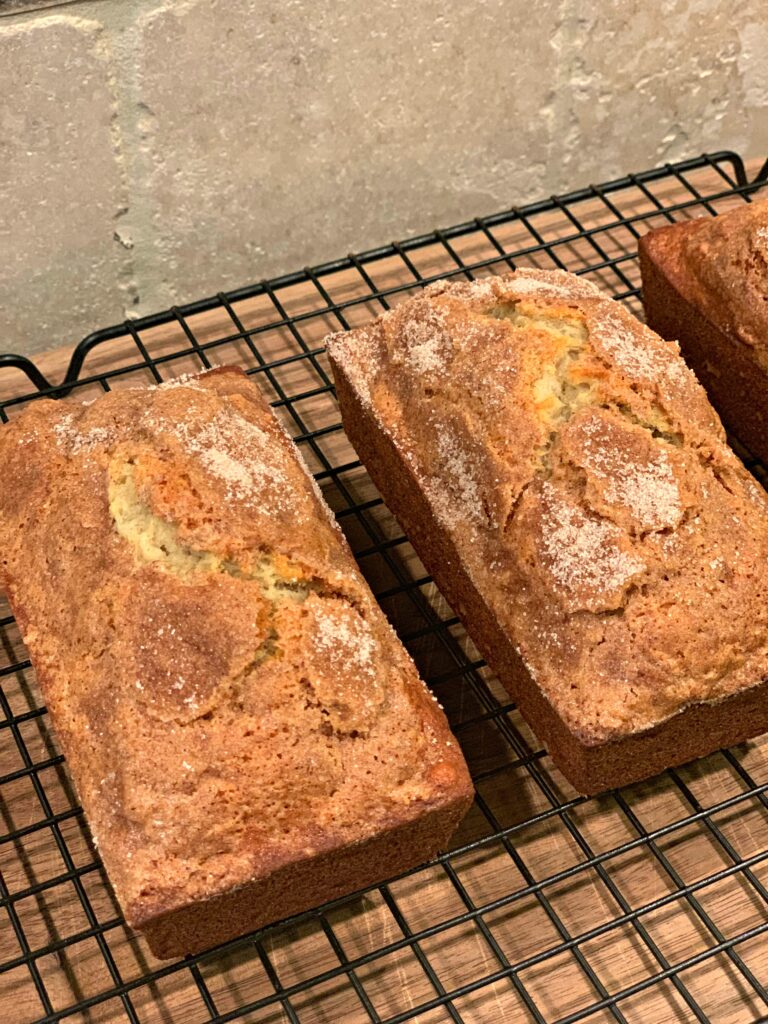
541 894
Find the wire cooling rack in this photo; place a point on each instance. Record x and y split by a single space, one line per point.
643 905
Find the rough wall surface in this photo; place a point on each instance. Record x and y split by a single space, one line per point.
154 151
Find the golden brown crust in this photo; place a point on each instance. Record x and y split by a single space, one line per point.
231 701
705 283
564 478
724 263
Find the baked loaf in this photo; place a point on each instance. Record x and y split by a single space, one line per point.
705 283
564 478
246 734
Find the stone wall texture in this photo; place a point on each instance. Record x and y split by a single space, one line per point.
156 151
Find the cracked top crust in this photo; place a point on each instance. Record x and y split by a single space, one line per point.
583 476
227 692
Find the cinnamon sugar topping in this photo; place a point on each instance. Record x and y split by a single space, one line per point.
348 639
454 493
428 343
552 284
77 441
648 489
236 451
582 552
359 356
184 380
632 348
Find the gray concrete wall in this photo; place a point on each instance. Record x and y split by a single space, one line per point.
154 151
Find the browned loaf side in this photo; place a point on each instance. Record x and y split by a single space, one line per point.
564 478
247 736
705 283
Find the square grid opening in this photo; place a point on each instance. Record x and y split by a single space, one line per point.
642 905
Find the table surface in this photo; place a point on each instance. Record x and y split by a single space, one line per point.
698 865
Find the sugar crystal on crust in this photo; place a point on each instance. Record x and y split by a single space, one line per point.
551 284
454 492
428 343
648 489
582 551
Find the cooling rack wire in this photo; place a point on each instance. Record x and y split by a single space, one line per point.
643 905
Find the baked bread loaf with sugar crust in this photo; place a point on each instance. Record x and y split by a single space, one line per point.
562 475
246 734
705 284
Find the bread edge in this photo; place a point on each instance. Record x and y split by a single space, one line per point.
302 885
735 383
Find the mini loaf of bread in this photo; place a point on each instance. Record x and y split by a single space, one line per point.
564 478
705 283
246 734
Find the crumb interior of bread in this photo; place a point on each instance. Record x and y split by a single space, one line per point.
155 540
